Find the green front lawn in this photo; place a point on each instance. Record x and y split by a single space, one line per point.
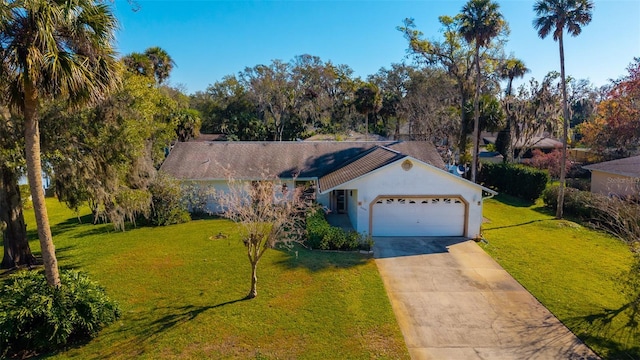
181 290
574 271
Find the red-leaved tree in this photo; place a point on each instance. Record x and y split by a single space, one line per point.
617 122
550 161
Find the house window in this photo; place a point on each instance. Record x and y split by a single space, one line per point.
389 201
401 201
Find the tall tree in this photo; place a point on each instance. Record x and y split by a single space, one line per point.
54 49
509 70
535 109
554 16
155 62
616 125
491 115
480 22
107 155
162 63
454 56
367 102
276 94
13 231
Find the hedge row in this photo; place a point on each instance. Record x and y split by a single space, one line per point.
517 180
321 235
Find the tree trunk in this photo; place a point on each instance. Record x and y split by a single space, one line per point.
14 231
462 142
366 126
509 127
254 281
476 117
34 174
565 133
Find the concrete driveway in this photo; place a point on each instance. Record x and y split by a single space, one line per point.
453 301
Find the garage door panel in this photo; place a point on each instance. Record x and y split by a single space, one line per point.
429 216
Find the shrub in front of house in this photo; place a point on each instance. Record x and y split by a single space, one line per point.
517 180
576 202
36 318
321 235
167 198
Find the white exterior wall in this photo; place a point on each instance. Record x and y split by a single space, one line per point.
421 179
324 200
218 185
352 207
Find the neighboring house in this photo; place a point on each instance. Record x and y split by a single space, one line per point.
617 177
386 188
543 143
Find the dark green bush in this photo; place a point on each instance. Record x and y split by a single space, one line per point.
36 318
576 202
517 180
167 198
321 235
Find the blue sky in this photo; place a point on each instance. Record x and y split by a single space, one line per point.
211 39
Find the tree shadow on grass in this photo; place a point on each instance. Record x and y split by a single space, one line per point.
146 326
615 330
512 200
71 223
515 225
318 260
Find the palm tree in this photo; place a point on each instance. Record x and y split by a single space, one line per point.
54 49
509 70
554 16
480 22
161 61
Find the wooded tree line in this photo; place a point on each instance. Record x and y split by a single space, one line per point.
429 97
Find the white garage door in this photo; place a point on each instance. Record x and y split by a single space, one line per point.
416 216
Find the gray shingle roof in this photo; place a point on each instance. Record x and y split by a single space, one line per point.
251 160
367 162
627 167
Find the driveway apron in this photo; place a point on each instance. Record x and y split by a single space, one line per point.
453 301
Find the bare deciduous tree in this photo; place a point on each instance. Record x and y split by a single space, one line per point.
268 214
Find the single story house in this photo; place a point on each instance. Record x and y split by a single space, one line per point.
617 177
542 143
386 188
